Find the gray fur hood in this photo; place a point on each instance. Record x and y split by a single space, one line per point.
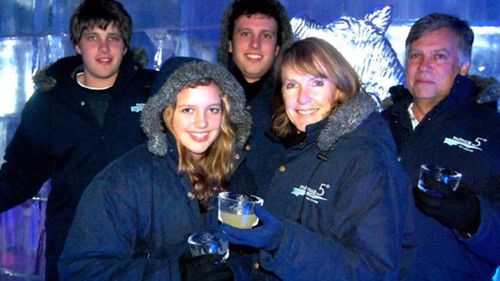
65 69
187 71
283 21
345 119
489 88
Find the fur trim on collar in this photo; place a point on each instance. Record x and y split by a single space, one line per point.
345 119
140 56
489 88
187 71
44 82
64 68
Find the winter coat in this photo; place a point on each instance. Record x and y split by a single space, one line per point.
134 220
60 139
261 110
349 193
259 105
461 134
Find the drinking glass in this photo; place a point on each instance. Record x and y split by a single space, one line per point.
238 210
204 243
436 181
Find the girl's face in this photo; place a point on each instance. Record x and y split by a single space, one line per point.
197 118
308 99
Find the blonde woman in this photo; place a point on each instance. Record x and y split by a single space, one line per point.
334 209
134 220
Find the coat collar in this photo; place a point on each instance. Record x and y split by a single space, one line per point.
345 119
64 70
489 88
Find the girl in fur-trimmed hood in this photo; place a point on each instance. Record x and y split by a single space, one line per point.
135 217
160 112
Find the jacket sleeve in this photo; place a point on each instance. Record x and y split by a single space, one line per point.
485 242
27 164
109 238
366 234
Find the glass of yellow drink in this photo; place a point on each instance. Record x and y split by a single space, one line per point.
238 210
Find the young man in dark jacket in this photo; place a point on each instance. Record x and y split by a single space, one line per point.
252 35
84 114
436 119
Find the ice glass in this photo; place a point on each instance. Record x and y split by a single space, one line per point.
238 210
204 243
436 181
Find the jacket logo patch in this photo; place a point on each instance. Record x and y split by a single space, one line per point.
464 144
138 107
313 195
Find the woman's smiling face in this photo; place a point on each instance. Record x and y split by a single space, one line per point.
308 99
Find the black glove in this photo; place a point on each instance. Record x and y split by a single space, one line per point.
458 209
205 267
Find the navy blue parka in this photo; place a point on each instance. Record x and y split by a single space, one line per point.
461 134
60 139
258 94
260 107
342 197
134 220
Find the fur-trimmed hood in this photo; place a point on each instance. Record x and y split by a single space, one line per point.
223 56
345 119
173 81
489 88
65 69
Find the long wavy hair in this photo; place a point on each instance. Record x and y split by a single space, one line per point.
315 57
208 174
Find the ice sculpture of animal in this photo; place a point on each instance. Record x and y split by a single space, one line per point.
363 44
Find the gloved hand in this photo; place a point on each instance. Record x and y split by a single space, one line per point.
458 209
266 236
204 268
